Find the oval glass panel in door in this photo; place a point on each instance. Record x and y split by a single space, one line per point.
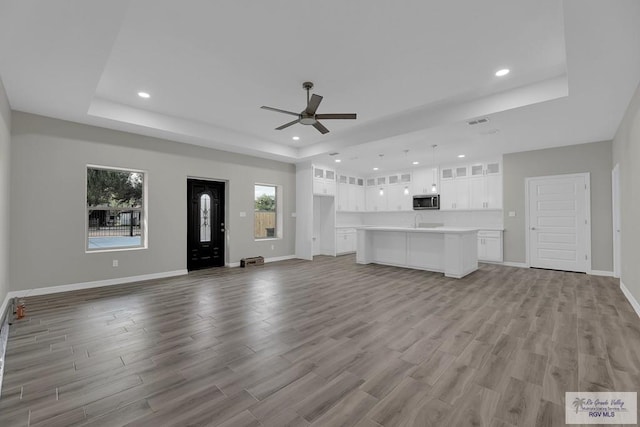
205 218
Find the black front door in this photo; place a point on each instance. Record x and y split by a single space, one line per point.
205 235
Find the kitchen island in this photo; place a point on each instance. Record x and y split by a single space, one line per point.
449 250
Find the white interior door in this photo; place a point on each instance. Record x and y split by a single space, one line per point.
617 245
559 233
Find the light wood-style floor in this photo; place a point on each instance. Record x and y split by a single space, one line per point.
322 343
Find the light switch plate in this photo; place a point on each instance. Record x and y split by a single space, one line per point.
243 214
512 213
293 214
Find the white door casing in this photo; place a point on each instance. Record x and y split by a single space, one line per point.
558 222
617 235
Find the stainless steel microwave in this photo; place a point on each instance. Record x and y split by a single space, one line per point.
428 201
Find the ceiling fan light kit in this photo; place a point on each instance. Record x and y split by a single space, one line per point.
308 116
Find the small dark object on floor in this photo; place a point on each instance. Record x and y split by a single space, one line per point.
256 260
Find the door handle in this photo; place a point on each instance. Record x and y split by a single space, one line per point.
533 228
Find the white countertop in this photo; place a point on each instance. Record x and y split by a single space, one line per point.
443 229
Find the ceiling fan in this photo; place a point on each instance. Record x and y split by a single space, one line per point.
308 116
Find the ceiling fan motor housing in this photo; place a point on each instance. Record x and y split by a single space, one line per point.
307 120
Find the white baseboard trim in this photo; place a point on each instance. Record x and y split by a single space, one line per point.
634 302
516 264
601 273
5 306
266 260
95 284
4 337
279 258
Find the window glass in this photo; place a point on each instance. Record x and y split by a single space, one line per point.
265 211
115 208
205 218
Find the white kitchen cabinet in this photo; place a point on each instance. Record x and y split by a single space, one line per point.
376 198
453 172
477 186
399 197
376 194
358 197
345 240
423 180
490 246
454 194
477 192
485 190
350 197
447 173
342 193
324 181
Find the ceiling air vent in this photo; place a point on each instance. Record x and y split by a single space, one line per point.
478 121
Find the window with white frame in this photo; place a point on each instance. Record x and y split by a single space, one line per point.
115 208
267 212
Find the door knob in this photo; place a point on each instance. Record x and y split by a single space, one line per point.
533 228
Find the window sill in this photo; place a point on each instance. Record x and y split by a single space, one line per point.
121 249
267 239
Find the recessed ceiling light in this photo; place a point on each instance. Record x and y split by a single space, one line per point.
296 138
502 73
375 169
338 160
144 95
461 156
416 163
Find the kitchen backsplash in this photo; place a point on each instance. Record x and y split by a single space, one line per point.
480 219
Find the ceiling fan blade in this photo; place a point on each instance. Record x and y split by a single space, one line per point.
277 110
350 116
320 127
314 102
286 125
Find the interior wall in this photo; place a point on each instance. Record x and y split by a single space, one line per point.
48 201
304 211
5 160
626 153
594 158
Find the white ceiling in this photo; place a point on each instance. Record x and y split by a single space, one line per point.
415 72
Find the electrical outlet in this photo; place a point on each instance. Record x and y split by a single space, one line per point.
293 215
243 214
115 263
512 213
273 247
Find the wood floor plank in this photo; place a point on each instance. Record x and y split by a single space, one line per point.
406 399
477 409
519 403
321 400
452 386
387 378
348 411
327 342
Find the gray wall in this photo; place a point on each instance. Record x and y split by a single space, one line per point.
626 153
48 204
5 157
594 158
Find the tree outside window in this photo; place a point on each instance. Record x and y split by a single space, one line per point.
115 208
265 211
